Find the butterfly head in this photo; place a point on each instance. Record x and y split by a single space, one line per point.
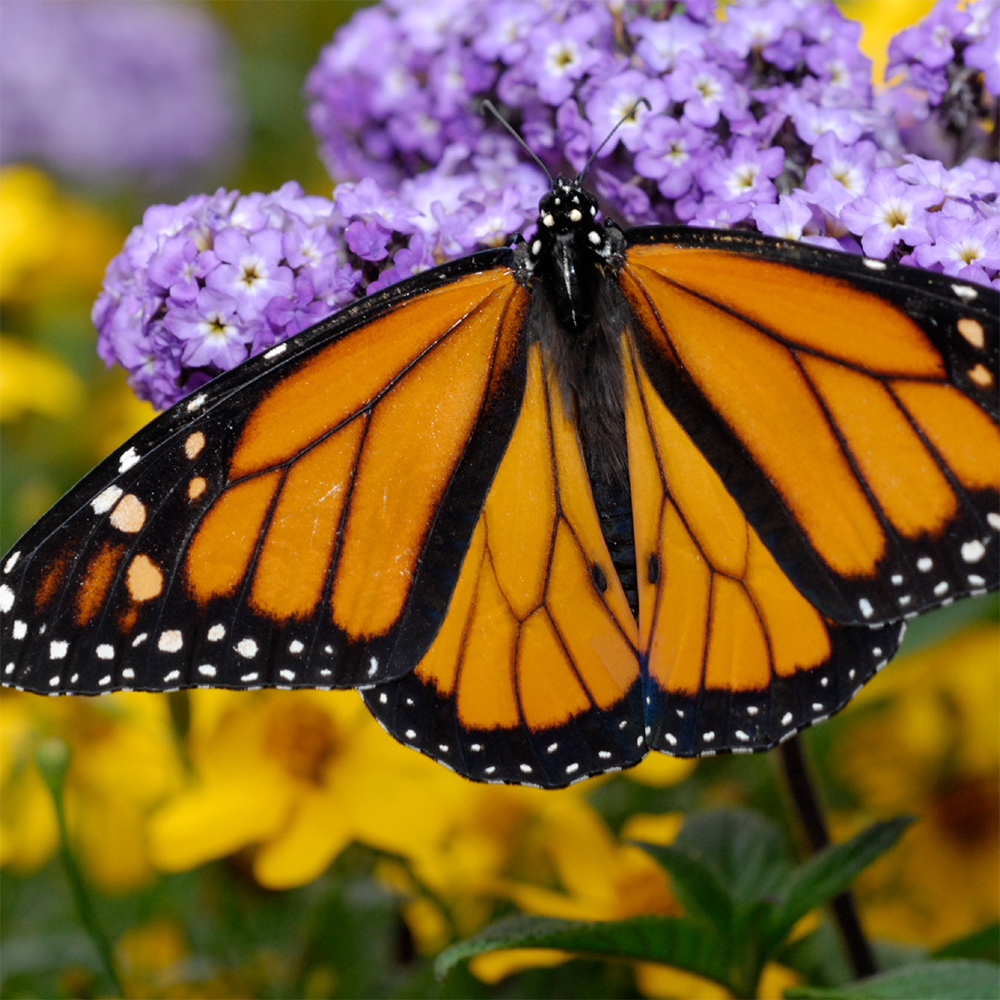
567 210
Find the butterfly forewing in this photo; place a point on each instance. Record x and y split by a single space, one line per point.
851 413
271 534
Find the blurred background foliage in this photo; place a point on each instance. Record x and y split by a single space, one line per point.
278 843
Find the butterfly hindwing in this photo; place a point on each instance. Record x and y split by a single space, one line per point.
851 410
534 676
289 523
735 657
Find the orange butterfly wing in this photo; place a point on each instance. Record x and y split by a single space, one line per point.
311 539
860 441
535 674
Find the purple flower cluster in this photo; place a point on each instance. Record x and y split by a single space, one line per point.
93 88
734 104
762 119
201 286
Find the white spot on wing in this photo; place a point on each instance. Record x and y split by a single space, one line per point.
941 588
410 734
289 675
373 666
58 649
216 632
866 607
128 673
925 564
20 629
604 754
172 676
973 578
12 561
383 698
275 351
247 648
207 670
295 646
6 598
170 641
105 651
9 669
526 768
197 402
105 500
993 520
786 719
140 639
740 735
973 551
874 265
965 293
571 768
127 460
249 678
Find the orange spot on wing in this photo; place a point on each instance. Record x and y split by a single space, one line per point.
965 437
288 581
129 515
813 311
226 539
196 487
193 445
737 657
415 440
759 390
973 331
52 578
907 483
94 583
344 378
144 579
981 376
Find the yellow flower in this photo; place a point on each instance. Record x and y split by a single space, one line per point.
123 762
33 380
924 738
50 245
297 776
881 20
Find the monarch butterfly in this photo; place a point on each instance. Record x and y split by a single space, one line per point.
551 505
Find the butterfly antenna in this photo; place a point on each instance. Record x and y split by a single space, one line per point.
624 118
488 105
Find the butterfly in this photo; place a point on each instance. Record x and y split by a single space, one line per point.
548 506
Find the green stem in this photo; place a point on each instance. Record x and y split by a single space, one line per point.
52 758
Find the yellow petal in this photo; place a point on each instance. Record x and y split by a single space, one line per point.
35 382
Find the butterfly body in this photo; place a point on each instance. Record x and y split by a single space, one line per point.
549 506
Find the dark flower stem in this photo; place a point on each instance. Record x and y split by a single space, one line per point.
803 792
52 758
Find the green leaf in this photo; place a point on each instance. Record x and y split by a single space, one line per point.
830 872
943 980
747 853
669 940
695 885
984 944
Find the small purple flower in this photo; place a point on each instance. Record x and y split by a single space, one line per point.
787 219
962 245
746 172
249 270
889 212
210 331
